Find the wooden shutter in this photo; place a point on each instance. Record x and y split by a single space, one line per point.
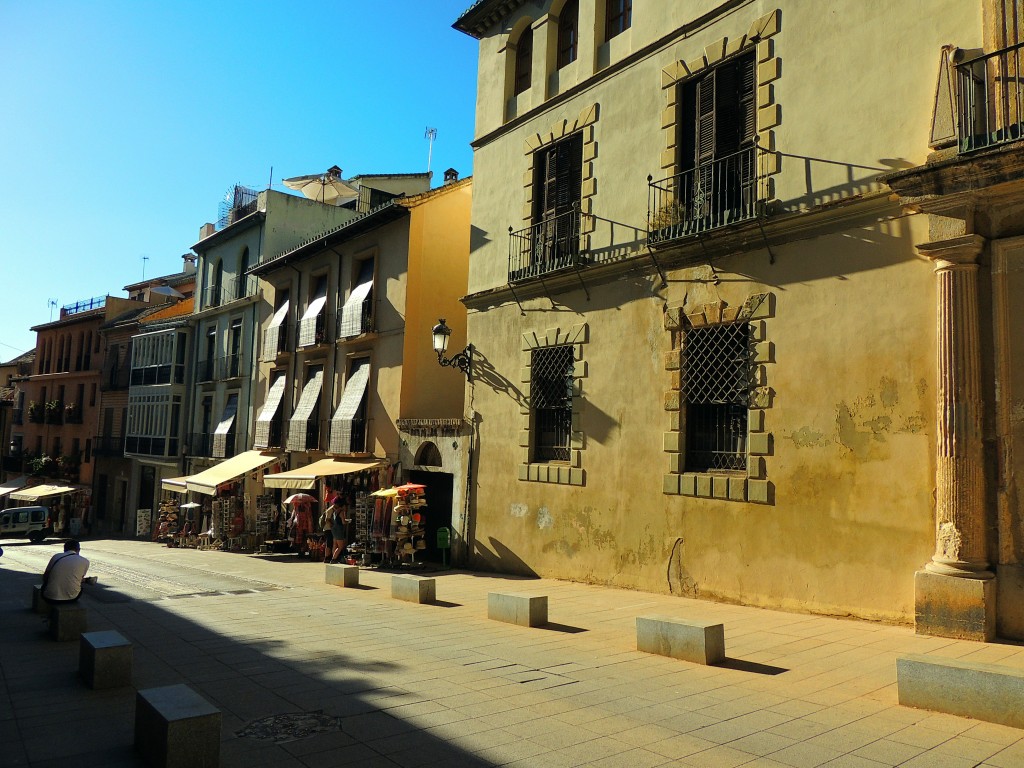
704 150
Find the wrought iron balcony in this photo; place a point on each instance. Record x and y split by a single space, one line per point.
716 194
113 445
990 99
275 342
544 247
73 413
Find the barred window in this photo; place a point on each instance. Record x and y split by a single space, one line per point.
716 382
551 370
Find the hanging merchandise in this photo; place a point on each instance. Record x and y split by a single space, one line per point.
407 522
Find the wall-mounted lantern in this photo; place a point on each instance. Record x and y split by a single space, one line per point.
462 360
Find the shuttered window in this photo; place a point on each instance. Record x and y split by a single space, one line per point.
558 177
524 61
718 116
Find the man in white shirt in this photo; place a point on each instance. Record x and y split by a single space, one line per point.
62 579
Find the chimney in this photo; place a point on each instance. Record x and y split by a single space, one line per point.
451 176
189 260
206 230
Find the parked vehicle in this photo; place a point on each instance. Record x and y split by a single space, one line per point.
33 523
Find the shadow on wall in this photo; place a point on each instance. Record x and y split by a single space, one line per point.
860 180
500 559
485 373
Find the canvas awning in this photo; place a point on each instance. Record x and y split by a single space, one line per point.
12 484
305 478
176 484
351 398
37 492
266 417
206 482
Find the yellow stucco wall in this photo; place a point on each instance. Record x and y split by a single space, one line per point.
850 322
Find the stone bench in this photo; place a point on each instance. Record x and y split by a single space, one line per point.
695 641
990 692
517 608
342 575
413 589
175 727
39 605
67 621
105 659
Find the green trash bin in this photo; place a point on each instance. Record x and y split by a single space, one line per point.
444 543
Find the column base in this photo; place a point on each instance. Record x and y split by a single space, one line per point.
952 606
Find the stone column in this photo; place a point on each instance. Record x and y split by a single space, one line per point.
955 593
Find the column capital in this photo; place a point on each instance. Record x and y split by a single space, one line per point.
955 252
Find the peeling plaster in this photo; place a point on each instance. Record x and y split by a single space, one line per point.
890 392
544 518
806 437
855 440
518 510
878 426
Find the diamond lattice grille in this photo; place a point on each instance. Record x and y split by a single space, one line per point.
551 377
717 364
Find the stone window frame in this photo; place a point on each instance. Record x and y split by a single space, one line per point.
754 485
568 472
584 123
768 113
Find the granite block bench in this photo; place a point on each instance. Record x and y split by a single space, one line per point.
39 604
105 659
67 621
991 692
695 641
413 589
517 608
341 575
175 727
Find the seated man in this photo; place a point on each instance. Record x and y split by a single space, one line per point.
62 579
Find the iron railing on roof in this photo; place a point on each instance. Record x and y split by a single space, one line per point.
990 99
238 203
83 306
716 194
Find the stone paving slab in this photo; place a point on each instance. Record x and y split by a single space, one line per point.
414 685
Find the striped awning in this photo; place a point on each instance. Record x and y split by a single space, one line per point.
305 478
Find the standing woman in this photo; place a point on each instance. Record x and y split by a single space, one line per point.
327 529
339 528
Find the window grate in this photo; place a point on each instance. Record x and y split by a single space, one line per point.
551 370
718 364
717 378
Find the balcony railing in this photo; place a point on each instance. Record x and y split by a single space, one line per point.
35 414
231 366
206 370
275 342
157 374
109 445
547 246
990 96
716 194
73 414
230 290
55 415
83 306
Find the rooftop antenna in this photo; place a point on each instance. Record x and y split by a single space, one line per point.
52 304
270 181
144 260
430 134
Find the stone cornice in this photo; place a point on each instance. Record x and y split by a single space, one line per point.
958 174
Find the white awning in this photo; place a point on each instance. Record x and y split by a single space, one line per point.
220 434
307 403
307 326
176 484
37 492
206 482
304 478
352 312
12 484
272 341
269 411
341 422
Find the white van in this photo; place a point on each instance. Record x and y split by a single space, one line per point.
32 523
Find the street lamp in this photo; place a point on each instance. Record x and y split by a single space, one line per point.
462 360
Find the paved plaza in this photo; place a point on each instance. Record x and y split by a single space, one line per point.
308 674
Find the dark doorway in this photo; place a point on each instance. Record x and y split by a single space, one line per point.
147 487
439 509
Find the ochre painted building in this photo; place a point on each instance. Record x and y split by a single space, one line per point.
712 349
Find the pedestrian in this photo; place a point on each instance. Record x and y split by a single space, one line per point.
64 574
327 528
339 528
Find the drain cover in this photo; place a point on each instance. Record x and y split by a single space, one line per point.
290 727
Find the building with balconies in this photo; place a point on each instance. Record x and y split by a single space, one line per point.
710 332
346 370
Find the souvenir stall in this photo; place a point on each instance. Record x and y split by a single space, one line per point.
390 526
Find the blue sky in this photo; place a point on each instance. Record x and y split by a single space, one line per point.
123 124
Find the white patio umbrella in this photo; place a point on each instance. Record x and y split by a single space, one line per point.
326 187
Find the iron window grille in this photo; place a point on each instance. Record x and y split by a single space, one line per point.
716 383
551 376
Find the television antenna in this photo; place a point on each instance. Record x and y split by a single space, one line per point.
430 134
144 260
52 304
